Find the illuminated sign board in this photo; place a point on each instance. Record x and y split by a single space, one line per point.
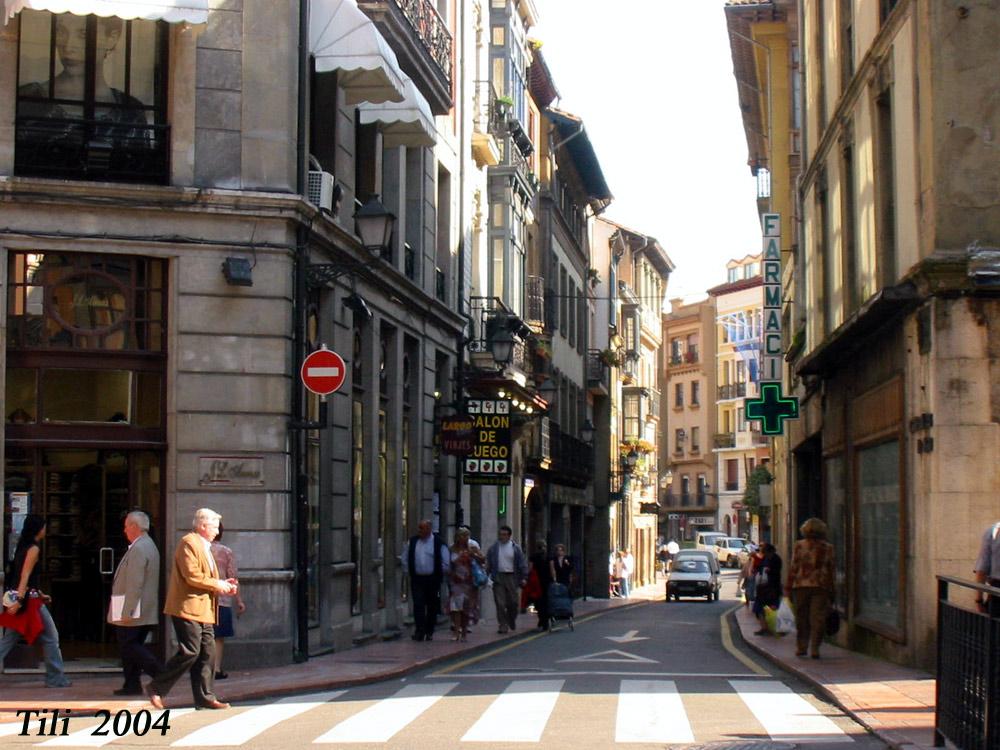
489 461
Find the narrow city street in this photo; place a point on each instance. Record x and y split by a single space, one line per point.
655 675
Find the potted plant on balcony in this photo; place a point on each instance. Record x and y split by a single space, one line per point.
609 358
593 277
504 104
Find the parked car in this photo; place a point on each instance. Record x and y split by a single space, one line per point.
705 540
698 554
731 551
693 576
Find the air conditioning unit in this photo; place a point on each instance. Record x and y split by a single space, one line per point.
321 189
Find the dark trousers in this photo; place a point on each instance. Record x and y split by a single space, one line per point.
136 656
195 655
426 592
811 605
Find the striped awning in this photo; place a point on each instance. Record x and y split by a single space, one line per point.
172 11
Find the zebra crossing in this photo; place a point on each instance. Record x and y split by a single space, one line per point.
643 711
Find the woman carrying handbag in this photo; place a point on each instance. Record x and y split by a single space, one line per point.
810 584
24 576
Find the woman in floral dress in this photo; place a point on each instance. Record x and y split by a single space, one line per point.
463 599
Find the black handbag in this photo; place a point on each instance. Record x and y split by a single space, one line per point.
832 621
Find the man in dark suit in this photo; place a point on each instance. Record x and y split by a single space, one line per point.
427 560
192 603
135 603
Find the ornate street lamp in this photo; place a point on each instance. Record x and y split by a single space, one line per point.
502 346
587 431
374 223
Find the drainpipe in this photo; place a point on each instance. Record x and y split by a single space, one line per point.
460 285
299 480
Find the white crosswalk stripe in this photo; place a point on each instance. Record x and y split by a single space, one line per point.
9 728
519 713
786 715
87 738
651 711
236 730
378 723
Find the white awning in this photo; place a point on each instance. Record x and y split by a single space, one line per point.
172 11
406 123
343 38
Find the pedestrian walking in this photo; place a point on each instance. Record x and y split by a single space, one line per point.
672 549
192 599
767 587
24 574
463 594
134 609
748 576
628 568
539 564
617 567
426 560
987 569
508 569
810 585
225 560
561 567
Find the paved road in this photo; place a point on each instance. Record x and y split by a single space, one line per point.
654 676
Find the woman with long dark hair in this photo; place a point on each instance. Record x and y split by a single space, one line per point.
24 581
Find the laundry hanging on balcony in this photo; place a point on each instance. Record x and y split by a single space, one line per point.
406 123
171 11
343 38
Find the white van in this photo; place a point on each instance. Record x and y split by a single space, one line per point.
705 540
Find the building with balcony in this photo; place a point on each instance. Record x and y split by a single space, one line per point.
737 444
173 251
687 419
637 270
895 332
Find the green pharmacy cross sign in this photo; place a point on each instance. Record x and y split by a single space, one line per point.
772 408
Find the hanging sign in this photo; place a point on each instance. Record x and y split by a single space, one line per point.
458 435
771 408
489 461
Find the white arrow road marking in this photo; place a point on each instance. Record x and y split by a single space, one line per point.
786 715
86 738
630 637
615 656
651 711
379 722
245 726
519 713
323 372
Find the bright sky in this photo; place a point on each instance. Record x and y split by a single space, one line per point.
653 82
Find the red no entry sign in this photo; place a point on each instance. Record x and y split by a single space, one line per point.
323 371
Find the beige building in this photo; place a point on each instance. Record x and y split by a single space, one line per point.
892 326
687 409
178 231
738 444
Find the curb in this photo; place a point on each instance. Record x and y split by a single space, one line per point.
889 736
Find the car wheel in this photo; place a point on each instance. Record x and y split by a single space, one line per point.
708 597
716 596
677 597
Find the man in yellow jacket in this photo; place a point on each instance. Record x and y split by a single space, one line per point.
192 603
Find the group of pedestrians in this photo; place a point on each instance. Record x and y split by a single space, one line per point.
463 571
202 591
809 585
621 566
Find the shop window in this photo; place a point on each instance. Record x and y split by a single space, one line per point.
879 534
86 396
21 396
83 301
91 98
836 519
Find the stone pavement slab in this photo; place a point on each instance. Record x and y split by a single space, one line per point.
895 702
372 662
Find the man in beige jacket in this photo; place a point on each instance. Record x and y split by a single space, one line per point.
192 603
135 603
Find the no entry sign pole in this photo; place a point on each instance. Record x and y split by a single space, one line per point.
323 372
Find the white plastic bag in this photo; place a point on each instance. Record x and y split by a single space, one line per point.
786 618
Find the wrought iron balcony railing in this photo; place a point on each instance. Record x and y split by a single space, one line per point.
424 18
724 440
78 149
598 373
732 390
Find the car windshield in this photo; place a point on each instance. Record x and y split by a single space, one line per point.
736 543
692 566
